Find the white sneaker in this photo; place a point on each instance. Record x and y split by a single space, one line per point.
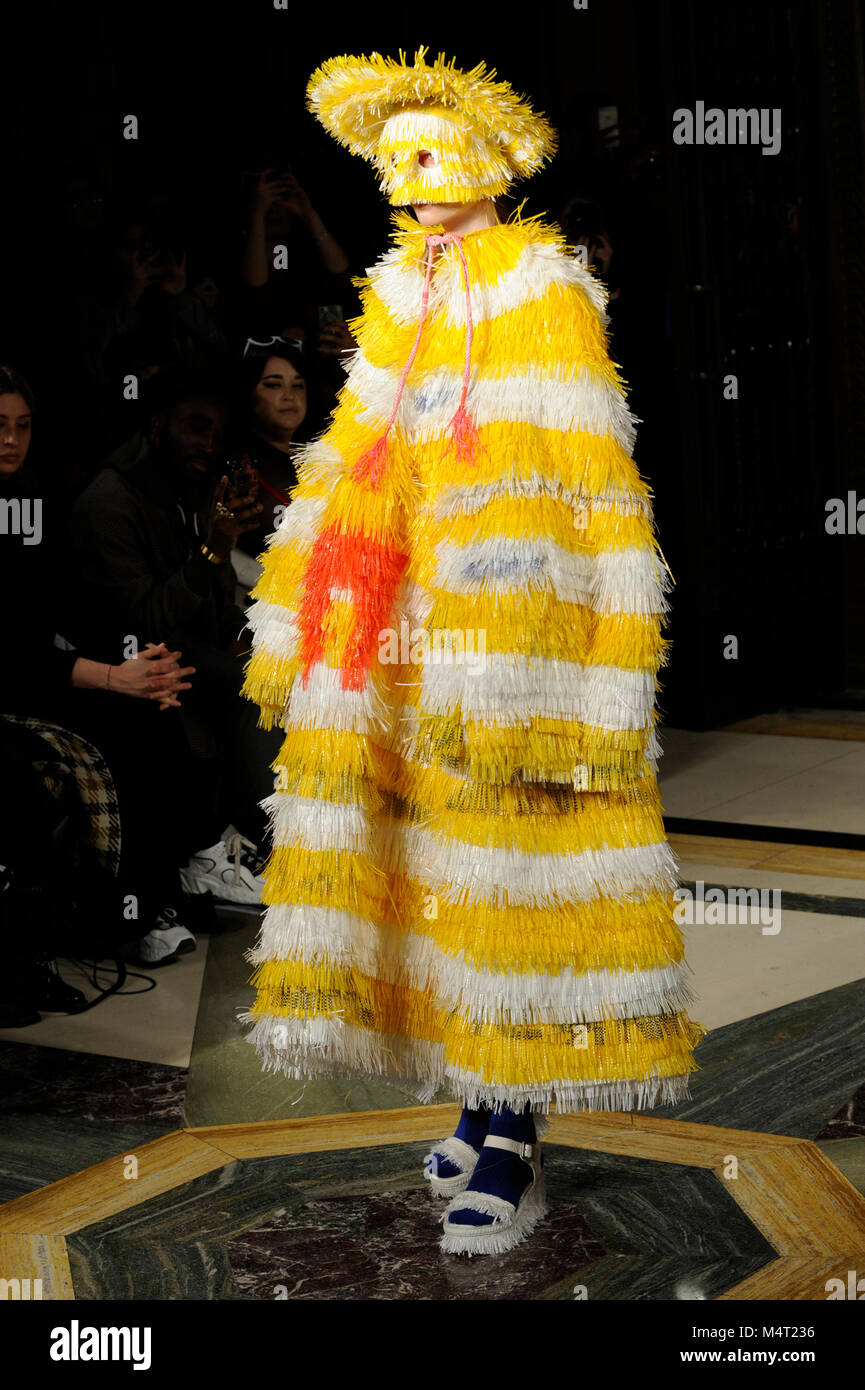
166 940
227 870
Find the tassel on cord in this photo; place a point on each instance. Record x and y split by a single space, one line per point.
464 435
370 465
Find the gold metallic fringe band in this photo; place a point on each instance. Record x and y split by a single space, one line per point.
328 1047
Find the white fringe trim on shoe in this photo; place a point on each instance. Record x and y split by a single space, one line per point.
457 1151
510 1227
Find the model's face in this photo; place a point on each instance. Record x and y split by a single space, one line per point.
456 217
430 214
15 424
279 399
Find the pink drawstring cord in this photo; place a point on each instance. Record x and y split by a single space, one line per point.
462 427
464 432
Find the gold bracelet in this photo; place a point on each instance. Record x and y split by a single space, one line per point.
209 555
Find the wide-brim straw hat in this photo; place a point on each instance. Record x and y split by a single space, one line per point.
479 133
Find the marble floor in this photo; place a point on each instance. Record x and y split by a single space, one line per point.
358 1225
785 1055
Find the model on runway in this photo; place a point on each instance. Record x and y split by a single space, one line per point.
459 628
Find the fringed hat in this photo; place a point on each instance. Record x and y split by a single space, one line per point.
480 135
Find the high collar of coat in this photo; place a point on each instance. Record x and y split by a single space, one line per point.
488 249
508 264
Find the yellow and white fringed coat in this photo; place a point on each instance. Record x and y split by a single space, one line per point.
470 884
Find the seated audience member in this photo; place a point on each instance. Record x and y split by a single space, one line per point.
143 296
134 310
316 269
45 678
152 543
275 413
186 310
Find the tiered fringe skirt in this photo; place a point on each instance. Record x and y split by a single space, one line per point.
508 943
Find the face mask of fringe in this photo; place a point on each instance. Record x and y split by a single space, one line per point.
464 166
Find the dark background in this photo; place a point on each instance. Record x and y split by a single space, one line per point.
727 260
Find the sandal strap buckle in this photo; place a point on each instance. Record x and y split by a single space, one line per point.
521 1147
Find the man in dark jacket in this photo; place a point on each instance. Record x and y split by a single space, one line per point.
144 531
152 539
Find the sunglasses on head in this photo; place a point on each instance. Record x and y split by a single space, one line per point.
271 342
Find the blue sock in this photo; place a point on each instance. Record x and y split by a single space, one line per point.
498 1172
472 1129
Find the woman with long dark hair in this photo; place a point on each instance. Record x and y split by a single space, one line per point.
277 411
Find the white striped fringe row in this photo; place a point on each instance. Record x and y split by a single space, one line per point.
304 1049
